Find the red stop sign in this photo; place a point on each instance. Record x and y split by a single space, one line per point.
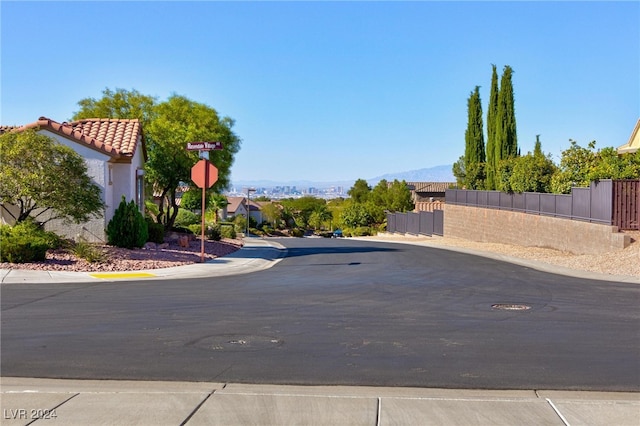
204 174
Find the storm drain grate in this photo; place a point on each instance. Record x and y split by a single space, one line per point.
511 307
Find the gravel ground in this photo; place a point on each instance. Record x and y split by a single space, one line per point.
119 259
623 262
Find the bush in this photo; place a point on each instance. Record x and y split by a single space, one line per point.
195 229
228 230
183 230
156 231
186 218
88 252
127 228
213 232
297 232
24 243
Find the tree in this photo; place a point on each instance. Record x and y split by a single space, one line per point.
575 164
492 112
532 172
272 214
506 140
355 215
610 165
168 126
192 199
580 166
300 209
319 215
360 191
399 198
216 203
46 179
178 121
474 155
118 104
459 172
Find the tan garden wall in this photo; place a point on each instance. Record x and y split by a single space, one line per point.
507 227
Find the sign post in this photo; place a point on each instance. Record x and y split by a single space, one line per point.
204 175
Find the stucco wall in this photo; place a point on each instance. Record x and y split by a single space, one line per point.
500 226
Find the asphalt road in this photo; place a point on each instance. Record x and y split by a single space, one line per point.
336 312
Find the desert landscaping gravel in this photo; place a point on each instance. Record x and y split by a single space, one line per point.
121 259
622 262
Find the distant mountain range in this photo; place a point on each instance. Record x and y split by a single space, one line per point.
432 174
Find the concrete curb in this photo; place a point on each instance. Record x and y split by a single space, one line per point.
256 255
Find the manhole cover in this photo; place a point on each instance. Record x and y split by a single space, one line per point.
511 307
234 342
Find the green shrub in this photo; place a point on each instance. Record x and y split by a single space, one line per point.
186 218
213 232
195 229
127 228
297 232
26 242
183 230
156 231
228 230
88 252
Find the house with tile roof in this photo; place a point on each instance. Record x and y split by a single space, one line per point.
114 152
633 145
238 206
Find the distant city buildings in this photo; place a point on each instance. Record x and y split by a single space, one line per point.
280 192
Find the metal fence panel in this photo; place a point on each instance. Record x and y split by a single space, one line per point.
563 206
517 201
601 201
413 223
391 222
580 203
548 204
438 222
532 202
594 204
493 199
506 200
483 198
401 223
426 223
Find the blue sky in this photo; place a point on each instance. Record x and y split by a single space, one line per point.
335 90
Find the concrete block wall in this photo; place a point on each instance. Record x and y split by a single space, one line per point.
507 227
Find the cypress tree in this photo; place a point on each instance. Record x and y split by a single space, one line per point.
474 155
491 131
506 141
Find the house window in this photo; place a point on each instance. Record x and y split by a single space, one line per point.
140 189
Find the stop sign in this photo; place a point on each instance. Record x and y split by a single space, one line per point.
204 174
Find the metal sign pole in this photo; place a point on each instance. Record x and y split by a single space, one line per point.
202 209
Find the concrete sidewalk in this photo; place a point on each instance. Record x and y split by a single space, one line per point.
256 254
83 402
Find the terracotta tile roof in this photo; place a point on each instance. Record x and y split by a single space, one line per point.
236 202
115 137
430 186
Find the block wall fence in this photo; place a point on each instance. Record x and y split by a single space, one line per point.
529 230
